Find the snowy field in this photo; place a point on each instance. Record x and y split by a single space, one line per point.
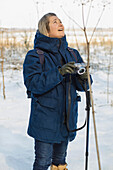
17 148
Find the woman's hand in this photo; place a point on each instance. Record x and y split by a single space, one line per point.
67 68
83 76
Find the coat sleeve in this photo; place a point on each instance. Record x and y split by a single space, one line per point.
80 85
35 79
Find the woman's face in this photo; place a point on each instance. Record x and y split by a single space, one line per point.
56 27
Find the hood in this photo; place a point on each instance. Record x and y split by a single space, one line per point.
49 44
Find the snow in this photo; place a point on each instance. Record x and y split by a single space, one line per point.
17 148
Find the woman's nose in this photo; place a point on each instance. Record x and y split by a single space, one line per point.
60 24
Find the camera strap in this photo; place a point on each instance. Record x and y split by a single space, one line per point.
73 53
69 108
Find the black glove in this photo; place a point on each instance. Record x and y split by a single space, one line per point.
67 68
83 76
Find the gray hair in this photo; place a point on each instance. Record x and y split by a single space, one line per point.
43 24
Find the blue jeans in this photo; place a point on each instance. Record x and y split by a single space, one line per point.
47 153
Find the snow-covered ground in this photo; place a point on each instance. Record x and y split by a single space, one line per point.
17 148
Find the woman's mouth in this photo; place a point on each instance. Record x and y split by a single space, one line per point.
60 29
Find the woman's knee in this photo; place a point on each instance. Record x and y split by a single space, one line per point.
59 153
43 155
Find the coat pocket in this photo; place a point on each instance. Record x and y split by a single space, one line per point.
46 113
48 102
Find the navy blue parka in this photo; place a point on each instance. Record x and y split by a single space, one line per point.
49 90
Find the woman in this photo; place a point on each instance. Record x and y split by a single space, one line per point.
47 82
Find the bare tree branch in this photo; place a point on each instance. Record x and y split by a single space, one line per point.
89 12
36 6
71 18
97 23
76 40
83 15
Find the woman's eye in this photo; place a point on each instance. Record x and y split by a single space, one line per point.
54 22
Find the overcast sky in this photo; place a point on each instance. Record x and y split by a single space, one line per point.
25 13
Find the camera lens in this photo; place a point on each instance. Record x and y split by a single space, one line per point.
81 70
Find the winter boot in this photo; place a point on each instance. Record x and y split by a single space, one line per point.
60 167
53 167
